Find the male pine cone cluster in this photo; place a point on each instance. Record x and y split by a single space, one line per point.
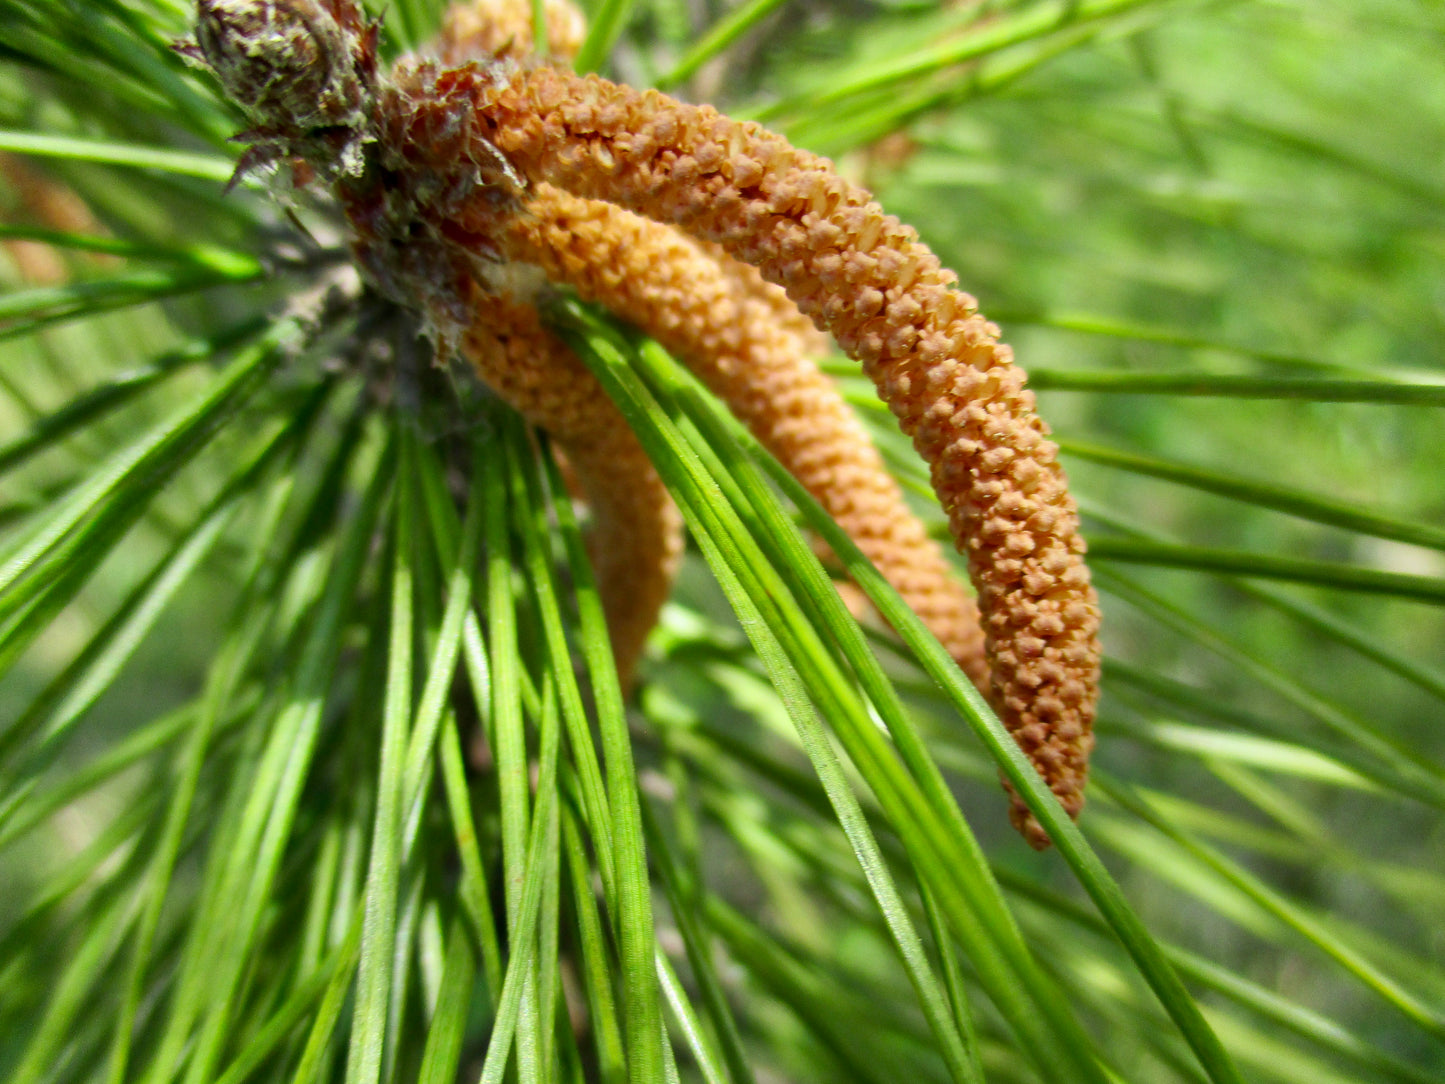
484 164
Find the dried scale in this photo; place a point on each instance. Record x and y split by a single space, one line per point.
455 178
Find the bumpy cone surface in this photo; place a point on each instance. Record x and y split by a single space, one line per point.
889 303
672 288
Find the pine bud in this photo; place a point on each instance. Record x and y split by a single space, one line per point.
303 70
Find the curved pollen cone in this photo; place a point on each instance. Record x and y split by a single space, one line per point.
636 538
740 334
670 286
889 303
